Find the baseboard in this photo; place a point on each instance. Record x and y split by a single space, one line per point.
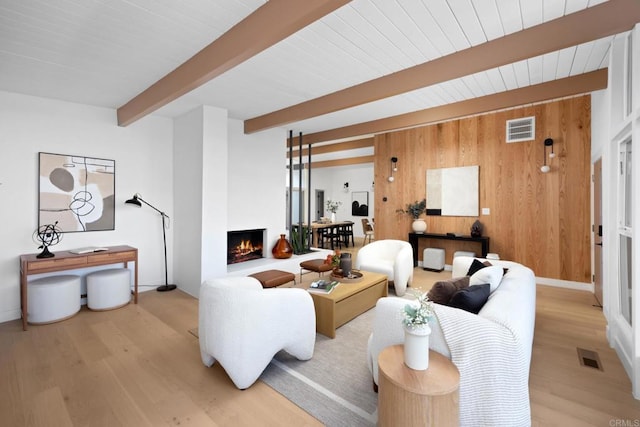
447 267
567 284
9 315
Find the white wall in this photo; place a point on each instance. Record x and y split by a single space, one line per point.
331 180
142 152
215 184
257 182
599 123
201 187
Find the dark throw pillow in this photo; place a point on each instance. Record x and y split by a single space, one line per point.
442 291
477 265
471 299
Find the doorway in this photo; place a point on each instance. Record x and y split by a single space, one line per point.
319 204
597 230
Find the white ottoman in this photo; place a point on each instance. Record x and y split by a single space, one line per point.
108 289
464 253
433 259
54 298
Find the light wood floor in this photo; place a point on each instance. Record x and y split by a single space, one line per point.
139 366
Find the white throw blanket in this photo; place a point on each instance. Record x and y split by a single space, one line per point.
496 393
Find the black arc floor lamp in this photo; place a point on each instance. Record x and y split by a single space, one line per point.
137 200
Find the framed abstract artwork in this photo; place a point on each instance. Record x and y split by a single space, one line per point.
77 192
453 191
360 203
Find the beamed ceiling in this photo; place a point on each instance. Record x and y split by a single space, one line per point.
331 69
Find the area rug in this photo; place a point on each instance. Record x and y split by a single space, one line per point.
335 386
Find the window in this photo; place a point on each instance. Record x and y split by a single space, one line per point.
625 185
628 78
624 231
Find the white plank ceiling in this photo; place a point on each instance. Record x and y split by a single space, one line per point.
105 52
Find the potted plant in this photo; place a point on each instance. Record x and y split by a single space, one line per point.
340 263
333 208
333 259
416 209
415 318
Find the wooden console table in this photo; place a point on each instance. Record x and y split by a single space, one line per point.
417 398
415 237
65 260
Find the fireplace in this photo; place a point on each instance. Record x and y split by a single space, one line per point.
244 245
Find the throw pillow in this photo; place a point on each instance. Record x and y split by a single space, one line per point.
491 275
471 299
442 291
477 265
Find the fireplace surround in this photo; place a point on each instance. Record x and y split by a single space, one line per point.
245 245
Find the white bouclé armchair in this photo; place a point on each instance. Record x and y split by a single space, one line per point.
391 257
242 326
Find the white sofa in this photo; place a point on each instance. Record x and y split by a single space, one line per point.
242 326
492 349
391 257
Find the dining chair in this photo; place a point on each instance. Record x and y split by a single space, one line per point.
346 233
367 229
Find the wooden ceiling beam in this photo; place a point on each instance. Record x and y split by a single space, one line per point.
269 24
347 161
331 148
608 18
569 86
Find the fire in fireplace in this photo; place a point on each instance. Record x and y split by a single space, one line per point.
244 245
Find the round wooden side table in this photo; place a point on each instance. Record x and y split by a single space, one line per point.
417 398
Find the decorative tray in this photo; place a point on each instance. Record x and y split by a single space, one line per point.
355 276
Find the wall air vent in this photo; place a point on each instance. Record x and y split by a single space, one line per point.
523 129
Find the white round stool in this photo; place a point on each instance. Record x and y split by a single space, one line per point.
54 298
464 253
108 289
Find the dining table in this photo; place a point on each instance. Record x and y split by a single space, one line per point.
321 229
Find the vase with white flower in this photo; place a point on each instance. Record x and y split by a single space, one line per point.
332 206
415 318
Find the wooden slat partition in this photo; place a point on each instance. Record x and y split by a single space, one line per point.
540 220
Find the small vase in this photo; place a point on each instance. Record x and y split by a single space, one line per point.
416 347
282 248
333 217
476 229
419 226
345 264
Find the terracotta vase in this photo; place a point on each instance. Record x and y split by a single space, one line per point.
282 248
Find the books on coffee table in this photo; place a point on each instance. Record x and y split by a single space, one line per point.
323 286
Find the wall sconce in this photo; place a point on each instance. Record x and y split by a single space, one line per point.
345 187
394 168
547 143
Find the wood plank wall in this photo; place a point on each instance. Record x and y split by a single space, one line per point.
540 220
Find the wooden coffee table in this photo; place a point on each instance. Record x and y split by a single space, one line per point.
347 301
